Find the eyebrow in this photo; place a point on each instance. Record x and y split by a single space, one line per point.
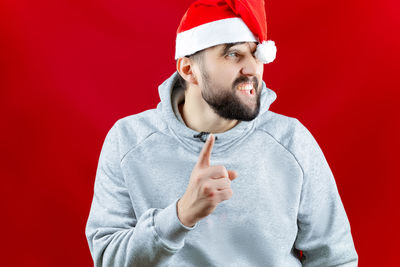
228 46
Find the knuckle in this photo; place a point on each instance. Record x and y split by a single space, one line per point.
222 170
212 196
206 188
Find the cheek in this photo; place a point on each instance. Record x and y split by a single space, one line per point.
222 72
224 75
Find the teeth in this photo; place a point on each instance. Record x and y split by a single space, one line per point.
245 86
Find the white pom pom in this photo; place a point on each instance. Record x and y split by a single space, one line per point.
266 51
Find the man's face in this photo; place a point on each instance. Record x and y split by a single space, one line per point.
231 80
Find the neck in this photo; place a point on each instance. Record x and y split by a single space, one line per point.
199 116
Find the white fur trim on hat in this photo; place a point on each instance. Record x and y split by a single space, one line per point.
266 51
231 30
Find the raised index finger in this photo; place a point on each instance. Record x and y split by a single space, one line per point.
205 154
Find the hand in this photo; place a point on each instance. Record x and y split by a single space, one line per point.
208 186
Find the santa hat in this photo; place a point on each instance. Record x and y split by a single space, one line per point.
212 22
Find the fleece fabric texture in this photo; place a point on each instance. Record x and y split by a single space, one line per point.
284 200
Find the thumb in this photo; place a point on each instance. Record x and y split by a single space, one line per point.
232 175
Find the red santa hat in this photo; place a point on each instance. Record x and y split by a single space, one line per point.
212 22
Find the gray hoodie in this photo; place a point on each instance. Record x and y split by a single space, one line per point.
284 200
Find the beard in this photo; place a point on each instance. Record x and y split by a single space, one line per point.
226 103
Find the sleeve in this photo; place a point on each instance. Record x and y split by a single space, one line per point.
116 237
324 233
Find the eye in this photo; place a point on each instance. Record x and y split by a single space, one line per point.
232 54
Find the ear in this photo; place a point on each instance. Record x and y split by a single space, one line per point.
184 66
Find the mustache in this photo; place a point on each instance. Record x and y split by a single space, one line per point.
242 79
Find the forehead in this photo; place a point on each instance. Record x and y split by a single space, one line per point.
244 46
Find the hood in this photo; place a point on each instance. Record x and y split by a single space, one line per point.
194 140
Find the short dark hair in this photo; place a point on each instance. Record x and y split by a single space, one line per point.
198 56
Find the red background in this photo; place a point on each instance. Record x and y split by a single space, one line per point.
70 69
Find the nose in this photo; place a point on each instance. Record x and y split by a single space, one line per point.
251 66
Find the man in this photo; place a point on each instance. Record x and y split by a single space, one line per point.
211 177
